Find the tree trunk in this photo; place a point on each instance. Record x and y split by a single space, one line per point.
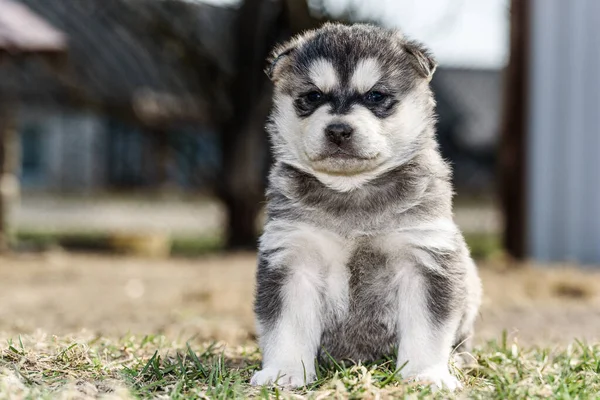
245 162
514 134
243 139
246 153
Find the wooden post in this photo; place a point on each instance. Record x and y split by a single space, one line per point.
9 163
514 134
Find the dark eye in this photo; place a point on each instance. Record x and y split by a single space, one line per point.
375 97
314 96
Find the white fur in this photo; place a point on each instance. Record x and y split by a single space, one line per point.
423 350
385 144
323 75
346 183
290 348
405 126
317 259
438 234
312 130
389 142
337 288
367 136
287 142
366 74
328 248
299 142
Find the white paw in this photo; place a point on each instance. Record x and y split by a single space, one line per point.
282 377
438 378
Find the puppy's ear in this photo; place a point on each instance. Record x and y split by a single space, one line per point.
280 55
277 58
423 60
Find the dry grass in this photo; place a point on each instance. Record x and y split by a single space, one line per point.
212 297
44 367
197 333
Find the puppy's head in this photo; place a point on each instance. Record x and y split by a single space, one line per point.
350 100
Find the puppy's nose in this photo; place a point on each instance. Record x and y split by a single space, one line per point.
338 132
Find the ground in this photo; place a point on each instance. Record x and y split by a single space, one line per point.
89 325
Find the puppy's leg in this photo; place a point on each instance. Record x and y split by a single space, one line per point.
427 325
291 329
290 304
464 335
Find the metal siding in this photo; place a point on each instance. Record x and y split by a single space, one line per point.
564 135
591 234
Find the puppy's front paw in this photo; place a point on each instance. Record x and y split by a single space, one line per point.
438 378
282 377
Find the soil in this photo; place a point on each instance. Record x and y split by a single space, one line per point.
211 298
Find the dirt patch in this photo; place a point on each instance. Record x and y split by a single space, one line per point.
211 298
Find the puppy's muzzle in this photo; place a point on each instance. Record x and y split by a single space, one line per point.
339 133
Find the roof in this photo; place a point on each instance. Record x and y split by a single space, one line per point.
22 31
131 56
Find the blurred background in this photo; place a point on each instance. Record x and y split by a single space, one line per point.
133 157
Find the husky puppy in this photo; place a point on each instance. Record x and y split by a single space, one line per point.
360 256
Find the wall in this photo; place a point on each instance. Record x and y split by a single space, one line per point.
62 150
564 131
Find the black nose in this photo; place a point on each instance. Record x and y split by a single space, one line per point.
338 132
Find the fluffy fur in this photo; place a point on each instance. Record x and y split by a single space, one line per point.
360 256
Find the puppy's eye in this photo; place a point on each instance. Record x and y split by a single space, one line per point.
375 97
313 97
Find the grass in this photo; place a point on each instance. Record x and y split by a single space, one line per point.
42 367
483 246
181 246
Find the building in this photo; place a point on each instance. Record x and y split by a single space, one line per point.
75 150
563 131
138 74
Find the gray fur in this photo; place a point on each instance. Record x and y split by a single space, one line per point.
297 195
414 191
268 294
368 332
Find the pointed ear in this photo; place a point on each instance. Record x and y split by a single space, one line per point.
278 57
423 60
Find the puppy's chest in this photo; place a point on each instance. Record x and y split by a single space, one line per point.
356 224
364 327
